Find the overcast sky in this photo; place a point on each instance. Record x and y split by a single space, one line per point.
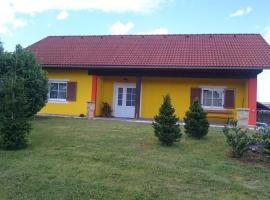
27 21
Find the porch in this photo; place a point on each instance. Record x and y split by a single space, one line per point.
137 93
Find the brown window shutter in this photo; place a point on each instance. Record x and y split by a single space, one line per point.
71 91
229 99
195 94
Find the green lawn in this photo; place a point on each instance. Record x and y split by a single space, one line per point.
81 159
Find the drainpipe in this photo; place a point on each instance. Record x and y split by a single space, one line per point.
252 100
94 95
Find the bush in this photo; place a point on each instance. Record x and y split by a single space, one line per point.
196 123
14 125
165 124
23 92
106 110
237 139
262 139
82 115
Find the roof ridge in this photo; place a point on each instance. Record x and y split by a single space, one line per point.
131 35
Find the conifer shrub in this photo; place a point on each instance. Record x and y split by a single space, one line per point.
23 92
166 126
196 122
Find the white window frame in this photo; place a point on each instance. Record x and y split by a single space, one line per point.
219 89
56 99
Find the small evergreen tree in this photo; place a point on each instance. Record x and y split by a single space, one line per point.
14 125
165 125
23 92
196 123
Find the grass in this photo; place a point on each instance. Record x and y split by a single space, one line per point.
81 159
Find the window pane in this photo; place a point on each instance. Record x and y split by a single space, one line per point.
62 95
54 86
62 86
134 94
128 103
207 102
129 90
120 97
120 90
217 102
207 94
134 91
53 95
207 98
128 97
131 96
217 94
119 103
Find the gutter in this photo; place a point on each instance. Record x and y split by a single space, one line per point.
84 66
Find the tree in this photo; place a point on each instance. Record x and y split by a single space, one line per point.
23 92
1 48
196 123
165 124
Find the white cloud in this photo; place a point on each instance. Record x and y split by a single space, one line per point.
10 9
38 6
263 85
155 32
119 28
263 78
19 23
267 34
62 15
241 12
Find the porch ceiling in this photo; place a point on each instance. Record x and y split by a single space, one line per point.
175 72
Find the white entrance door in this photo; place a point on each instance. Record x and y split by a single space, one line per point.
124 100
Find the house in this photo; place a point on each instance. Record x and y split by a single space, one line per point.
133 72
267 104
263 113
262 106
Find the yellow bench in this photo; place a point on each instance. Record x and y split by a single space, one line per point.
220 114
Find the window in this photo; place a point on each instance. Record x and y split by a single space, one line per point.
131 97
213 97
57 90
120 96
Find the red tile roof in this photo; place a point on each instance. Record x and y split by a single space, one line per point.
198 50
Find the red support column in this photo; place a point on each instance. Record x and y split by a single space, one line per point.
94 91
252 100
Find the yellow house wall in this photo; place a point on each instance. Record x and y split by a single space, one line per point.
84 87
179 89
153 89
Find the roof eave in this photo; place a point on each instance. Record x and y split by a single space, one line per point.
85 66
